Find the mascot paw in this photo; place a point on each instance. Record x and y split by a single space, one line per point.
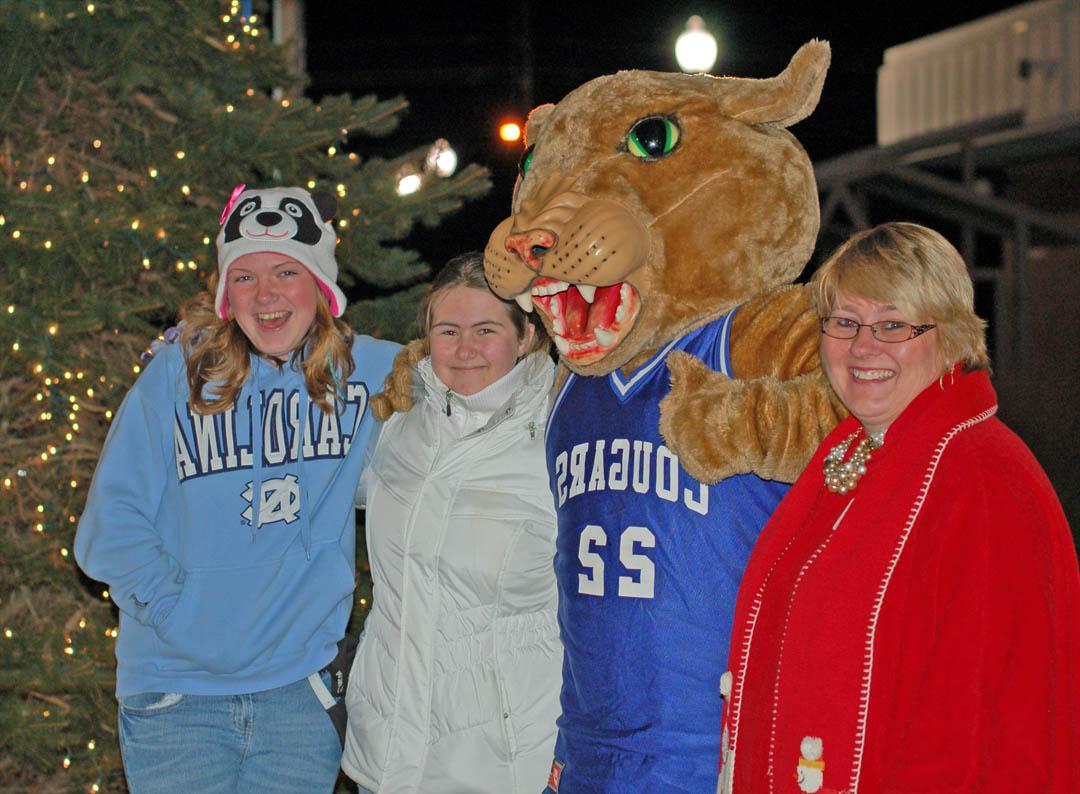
697 419
397 394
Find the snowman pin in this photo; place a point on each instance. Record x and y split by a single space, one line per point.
810 773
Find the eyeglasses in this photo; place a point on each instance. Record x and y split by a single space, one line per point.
891 331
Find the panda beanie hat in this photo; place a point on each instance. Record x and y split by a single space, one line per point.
280 220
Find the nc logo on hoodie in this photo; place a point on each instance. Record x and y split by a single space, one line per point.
279 500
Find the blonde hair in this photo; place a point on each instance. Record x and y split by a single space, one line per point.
218 351
467 270
919 272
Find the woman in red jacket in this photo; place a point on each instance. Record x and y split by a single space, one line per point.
909 620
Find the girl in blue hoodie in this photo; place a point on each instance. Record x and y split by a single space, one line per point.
221 514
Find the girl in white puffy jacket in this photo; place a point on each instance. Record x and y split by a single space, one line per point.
455 686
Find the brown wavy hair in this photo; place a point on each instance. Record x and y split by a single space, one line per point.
218 355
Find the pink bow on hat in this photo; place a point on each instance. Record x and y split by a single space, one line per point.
236 191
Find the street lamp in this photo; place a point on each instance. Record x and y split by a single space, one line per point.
695 49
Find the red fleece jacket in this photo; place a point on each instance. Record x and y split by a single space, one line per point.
920 633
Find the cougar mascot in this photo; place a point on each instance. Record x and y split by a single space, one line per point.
657 225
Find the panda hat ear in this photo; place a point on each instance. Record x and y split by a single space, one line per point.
325 203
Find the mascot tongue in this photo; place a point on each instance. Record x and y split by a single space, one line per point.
580 317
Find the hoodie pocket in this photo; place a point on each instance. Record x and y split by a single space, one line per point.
228 620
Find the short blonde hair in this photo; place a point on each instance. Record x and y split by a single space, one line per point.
919 272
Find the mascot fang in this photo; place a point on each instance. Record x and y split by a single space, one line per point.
656 227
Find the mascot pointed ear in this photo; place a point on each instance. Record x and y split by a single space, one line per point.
783 100
535 122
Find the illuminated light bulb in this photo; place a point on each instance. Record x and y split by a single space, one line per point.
510 131
38 368
52 450
53 329
52 159
67 436
104 593
67 762
247 28
90 392
119 188
69 651
353 156
341 190
179 265
41 508
343 224
15 346
22 185
108 414
311 184
285 103
90 745
11 308
45 457
250 92
146 263
135 225
45 713
136 369
206 240
7 482
95 788
48 381
75 427
192 265
356 212
71 519
89 8
332 151
97 143
114 633
39 527
67 374
180 155
225 18
255 32
408 184
230 38
229 108
48 188
253 18
16 234
160 234
48 244
82 623
85 176
363 602
3 220
9 633
185 190
153 173
63 552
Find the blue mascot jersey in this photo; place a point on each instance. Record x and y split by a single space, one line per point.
648 562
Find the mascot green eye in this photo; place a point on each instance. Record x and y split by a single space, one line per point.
652 137
526 160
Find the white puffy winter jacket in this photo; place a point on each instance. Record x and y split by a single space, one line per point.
455 687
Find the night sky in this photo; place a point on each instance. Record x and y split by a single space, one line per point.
462 66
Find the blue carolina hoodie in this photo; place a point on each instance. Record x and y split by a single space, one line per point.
221 592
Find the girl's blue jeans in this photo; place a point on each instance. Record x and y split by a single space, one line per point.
280 740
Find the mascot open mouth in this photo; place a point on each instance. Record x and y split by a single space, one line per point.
586 321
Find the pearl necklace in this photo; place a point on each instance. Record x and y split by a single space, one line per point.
841 477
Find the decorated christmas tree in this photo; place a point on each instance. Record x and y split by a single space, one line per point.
124 125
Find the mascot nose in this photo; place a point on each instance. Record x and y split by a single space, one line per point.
268 218
531 246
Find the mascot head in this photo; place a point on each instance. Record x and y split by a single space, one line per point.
650 203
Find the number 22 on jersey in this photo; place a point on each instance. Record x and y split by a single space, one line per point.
631 558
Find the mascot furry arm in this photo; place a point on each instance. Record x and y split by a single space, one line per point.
650 204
